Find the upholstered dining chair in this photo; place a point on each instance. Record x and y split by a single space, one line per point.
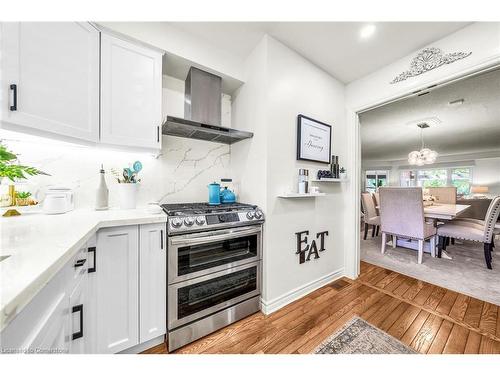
473 230
444 195
402 215
370 214
376 198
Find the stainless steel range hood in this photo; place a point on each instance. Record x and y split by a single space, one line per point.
202 111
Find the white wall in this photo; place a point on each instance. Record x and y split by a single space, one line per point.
290 85
250 157
181 173
487 173
482 39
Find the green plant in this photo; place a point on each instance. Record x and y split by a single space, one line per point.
23 194
10 167
342 170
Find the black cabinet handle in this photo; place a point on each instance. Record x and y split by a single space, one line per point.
158 134
93 268
78 309
80 262
161 239
13 87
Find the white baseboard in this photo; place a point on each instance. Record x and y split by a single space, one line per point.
144 346
269 307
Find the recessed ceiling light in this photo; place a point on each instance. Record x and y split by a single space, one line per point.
456 103
367 31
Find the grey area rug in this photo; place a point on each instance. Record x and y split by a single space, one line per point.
360 337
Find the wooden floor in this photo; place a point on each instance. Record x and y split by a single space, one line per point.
428 318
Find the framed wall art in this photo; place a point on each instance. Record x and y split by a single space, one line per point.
314 140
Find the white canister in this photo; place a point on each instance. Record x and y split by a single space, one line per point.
303 181
127 195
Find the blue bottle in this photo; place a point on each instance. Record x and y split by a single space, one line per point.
214 193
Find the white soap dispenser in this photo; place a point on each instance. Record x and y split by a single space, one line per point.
102 194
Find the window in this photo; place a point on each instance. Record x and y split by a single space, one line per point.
432 177
461 178
375 179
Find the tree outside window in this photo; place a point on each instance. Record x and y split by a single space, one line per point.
461 178
432 177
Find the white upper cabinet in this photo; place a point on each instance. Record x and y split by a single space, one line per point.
51 74
131 93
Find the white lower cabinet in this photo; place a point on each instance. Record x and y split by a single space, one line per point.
52 337
116 294
78 319
111 296
152 281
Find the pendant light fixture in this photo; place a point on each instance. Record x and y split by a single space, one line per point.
425 155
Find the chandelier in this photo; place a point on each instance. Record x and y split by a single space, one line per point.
425 155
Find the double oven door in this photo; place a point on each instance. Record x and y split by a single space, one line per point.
210 271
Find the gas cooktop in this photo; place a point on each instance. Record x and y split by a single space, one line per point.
195 217
183 209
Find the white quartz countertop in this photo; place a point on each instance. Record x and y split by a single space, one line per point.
39 245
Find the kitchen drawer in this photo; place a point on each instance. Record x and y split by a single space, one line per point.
79 265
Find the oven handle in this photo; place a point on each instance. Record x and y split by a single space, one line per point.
189 240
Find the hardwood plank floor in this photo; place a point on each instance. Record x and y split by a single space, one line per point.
426 317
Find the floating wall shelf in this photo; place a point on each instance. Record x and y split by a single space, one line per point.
297 195
329 180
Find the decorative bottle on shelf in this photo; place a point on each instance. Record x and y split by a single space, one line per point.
102 194
303 181
334 166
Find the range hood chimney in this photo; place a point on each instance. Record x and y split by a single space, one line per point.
202 111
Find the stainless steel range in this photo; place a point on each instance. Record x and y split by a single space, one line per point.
214 267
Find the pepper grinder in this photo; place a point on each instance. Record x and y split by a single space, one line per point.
102 194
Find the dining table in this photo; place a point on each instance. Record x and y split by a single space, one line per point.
442 211
435 211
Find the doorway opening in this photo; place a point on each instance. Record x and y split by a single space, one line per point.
462 131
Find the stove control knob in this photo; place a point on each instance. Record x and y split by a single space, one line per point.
176 222
258 214
250 215
189 221
200 220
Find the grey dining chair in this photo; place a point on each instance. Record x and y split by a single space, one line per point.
370 214
473 230
444 195
376 198
402 215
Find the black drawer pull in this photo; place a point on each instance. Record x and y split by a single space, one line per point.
161 239
13 87
79 309
93 268
80 262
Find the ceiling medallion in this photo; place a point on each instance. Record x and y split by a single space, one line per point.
429 59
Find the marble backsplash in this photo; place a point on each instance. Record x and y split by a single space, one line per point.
180 174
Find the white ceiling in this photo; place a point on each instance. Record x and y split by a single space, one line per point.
334 46
389 133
